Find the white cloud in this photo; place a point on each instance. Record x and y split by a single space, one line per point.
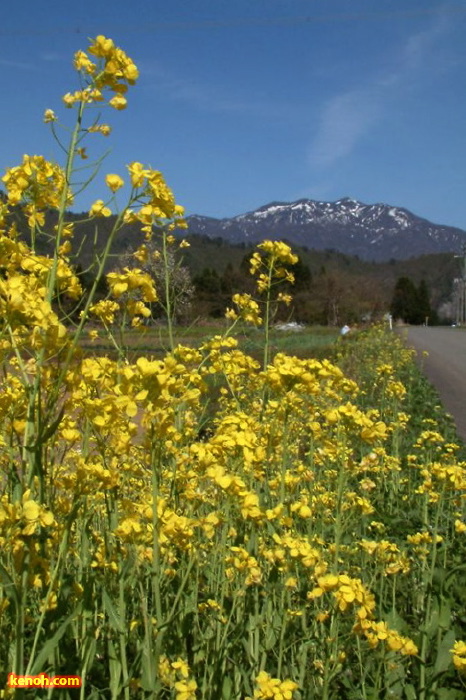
349 116
210 98
345 119
52 56
421 44
20 65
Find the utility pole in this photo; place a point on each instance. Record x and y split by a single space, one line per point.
461 290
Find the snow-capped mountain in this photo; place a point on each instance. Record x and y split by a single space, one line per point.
371 231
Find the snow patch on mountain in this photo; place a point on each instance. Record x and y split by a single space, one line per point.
371 231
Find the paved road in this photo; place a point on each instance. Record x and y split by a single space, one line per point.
445 366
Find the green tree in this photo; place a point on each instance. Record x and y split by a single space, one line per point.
208 293
302 277
409 303
424 307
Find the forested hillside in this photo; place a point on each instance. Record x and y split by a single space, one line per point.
330 288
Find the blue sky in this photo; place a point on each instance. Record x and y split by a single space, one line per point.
240 103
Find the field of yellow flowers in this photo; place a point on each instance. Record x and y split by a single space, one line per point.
208 525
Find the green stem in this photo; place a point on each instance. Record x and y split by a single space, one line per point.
20 613
427 587
156 563
168 301
84 316
71 153
53 578
267 315
124 661
282 632
338 516
330 663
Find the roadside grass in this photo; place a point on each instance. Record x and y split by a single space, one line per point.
422 401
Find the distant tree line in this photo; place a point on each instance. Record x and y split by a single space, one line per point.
328 297
338 289
411 304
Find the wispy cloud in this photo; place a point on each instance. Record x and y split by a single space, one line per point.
423 42
52 56
30 66
208 99
19 65
349 116
345 119
211 98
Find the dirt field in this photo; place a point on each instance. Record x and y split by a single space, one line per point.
445 366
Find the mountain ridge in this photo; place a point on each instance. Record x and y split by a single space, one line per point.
376 232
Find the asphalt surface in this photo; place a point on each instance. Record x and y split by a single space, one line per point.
444 366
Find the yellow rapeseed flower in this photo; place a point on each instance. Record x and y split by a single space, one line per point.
99 209
459 656
186 690
49 116
118 102
114 182
268 687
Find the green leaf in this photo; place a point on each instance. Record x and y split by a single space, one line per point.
115 670
227 687
149 672
51 643
395 677
113 617
439 577
89 649
396 622
444 657
8 584
431 627
410 692
449 694
445 614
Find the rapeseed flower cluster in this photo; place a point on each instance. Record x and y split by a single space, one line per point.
38 183
113 71
267 687
459 656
